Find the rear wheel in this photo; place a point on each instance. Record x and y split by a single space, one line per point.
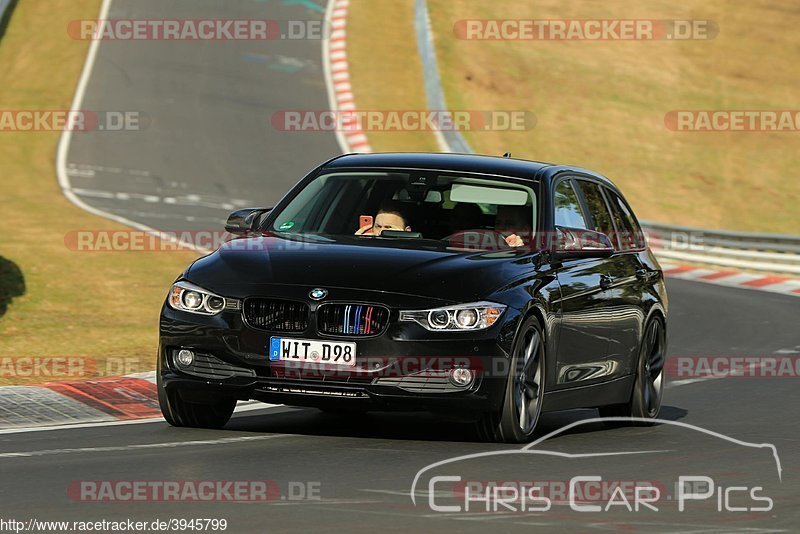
516 421
648 388
213 413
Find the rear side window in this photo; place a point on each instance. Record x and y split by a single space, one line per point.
568 210
600 218
629 235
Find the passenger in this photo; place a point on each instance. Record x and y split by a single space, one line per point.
511 221
389 217
465 216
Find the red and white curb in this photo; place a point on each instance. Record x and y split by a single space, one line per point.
116 399
106 399
732 278
337 76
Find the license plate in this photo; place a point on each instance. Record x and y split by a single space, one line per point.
312 351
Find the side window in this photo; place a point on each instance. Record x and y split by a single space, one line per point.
629 234
600 219
567 207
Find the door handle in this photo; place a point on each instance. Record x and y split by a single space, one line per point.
605 281
645 275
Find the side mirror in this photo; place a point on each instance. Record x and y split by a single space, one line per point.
246 221
575 243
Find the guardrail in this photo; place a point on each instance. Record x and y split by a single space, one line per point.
779 253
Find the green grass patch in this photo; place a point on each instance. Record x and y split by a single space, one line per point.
53 301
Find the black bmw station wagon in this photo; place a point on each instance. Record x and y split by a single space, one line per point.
486 288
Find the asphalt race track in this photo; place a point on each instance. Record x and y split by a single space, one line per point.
206 145
361 469
209 146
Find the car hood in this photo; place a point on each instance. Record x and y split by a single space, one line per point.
378 265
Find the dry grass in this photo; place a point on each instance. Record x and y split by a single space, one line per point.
96 305
385 68
602 105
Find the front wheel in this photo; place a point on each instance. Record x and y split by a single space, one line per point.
648 389
213 413
516 420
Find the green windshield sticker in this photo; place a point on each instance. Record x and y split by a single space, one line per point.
286 226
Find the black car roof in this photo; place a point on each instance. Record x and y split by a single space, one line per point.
517 168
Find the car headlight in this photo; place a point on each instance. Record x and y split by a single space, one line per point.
193 299
459 318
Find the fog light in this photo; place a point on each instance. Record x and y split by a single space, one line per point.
461 377
185 358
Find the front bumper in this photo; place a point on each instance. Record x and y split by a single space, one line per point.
405 368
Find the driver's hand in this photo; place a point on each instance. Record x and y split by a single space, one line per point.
363 230
514 240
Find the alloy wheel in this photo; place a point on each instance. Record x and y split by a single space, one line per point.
653 375
528 380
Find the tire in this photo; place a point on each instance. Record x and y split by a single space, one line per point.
525 388
648 388
212 414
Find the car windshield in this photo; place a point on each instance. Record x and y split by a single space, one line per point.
421 209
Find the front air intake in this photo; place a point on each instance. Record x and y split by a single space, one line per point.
276 315
352 319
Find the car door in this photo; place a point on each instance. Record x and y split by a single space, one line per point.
586 319
622 289
629 277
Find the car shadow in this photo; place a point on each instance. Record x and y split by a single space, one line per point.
407 426
553 421
12 283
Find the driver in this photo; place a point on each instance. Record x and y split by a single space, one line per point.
389 217
510 220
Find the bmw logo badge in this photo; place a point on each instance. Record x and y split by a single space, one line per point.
318 293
